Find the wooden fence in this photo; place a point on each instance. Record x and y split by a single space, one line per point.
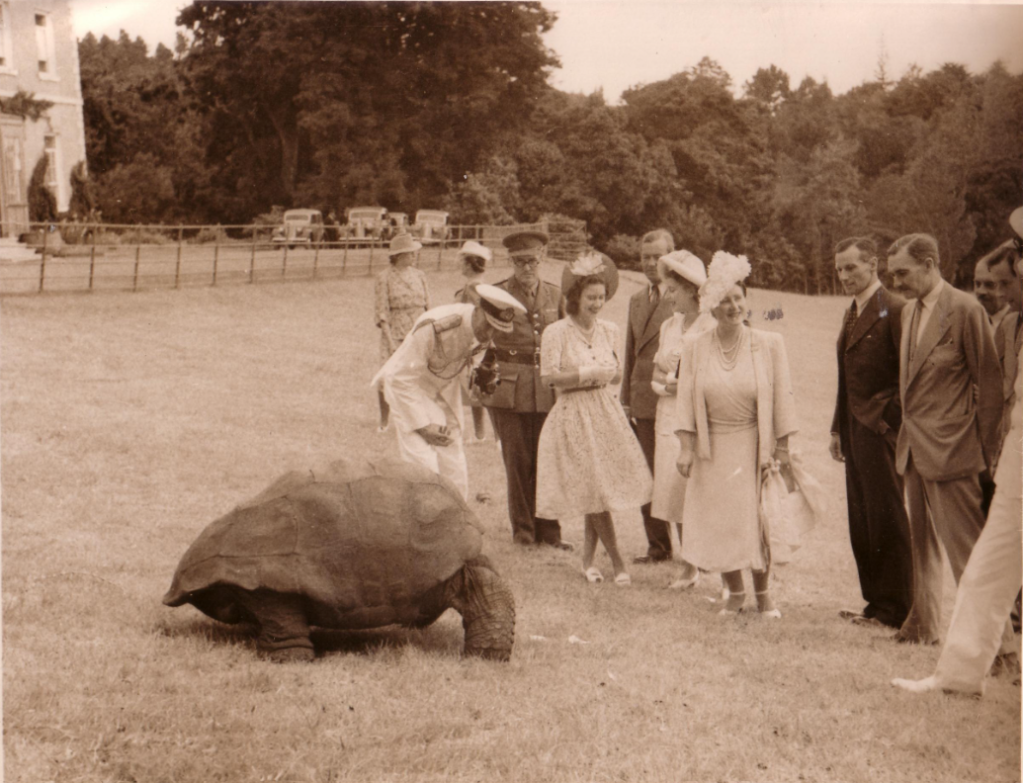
102 257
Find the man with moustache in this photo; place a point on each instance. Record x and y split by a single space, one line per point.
989 293
951 389
520 403
868 414
648 309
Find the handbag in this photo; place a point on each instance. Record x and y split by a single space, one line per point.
790 506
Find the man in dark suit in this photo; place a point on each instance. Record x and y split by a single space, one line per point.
520 404
868 415
951 388
648 309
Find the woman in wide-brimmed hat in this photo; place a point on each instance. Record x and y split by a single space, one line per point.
589 462
682 274
402 295
735 415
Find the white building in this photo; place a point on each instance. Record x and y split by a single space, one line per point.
38 56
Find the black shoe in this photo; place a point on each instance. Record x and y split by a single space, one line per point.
564 546
648 559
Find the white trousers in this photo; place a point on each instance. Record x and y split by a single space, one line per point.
990 583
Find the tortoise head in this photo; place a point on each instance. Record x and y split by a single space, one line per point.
487 607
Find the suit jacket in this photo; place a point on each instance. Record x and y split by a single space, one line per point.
951 433
1008 357
642 337
776 409
520 388
868 369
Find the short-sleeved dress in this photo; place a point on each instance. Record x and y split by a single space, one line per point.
588 459
402 295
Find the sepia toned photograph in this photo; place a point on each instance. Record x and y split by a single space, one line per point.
558 391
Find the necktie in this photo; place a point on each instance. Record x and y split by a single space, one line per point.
655 295
914 327
850 323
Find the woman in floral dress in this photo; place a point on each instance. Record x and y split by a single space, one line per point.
402 295
589 462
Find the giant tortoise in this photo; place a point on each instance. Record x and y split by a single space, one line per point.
355 545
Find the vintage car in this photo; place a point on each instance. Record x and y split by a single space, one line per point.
367 223
399 222
301 227
431 226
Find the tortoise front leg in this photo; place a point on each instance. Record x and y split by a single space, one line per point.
487 607
283 627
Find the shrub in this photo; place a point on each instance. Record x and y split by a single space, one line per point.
211 234
624 251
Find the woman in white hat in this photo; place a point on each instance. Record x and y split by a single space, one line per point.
589 462
402 295
683 274
735 415
474 258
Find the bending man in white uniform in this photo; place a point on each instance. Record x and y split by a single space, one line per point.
423 379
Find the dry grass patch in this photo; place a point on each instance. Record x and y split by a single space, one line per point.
131 421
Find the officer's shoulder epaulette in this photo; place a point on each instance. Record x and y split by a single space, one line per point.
502 282
550 286
447 323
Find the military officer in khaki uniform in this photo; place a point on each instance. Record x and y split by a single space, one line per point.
520 403
422 380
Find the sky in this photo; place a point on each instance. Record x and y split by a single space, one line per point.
613 44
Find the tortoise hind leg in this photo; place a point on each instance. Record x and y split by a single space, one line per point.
283 626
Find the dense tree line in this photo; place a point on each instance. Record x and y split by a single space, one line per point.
414 105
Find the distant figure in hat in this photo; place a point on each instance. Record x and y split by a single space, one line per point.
402 295
648 309
474 258
422 380
520 404
590 464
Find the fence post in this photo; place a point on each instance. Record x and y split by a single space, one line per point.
316 259
92 257
135 277
372 242
440 254
344 260
177 265
252 259
284 263
42 272
216 257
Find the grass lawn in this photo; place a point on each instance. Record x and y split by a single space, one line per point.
130 421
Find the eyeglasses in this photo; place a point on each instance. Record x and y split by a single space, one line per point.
1017 242
522 263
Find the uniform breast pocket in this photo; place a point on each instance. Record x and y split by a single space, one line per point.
550 314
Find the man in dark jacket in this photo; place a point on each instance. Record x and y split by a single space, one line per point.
864 430
648 309
519 405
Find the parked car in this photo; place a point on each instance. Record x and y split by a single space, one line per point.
399 223
367 223
431 226
300 227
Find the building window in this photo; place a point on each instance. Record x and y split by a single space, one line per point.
52 152
44 46
6 49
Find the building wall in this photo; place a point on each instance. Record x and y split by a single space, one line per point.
23 45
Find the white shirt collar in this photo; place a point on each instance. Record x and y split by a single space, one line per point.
931 299
865 296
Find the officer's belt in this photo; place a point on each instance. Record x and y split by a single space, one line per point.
518 357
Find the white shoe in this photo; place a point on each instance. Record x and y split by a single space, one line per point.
683 583
916 686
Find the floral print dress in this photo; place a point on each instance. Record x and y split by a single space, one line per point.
402 295
588 459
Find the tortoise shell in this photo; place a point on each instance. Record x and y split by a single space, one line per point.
365 543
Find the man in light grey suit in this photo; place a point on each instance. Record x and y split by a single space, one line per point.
951 388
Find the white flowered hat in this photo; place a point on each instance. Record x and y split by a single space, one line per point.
725 271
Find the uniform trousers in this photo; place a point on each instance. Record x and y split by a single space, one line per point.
988 587
878 525
658 533
519 434
949 512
